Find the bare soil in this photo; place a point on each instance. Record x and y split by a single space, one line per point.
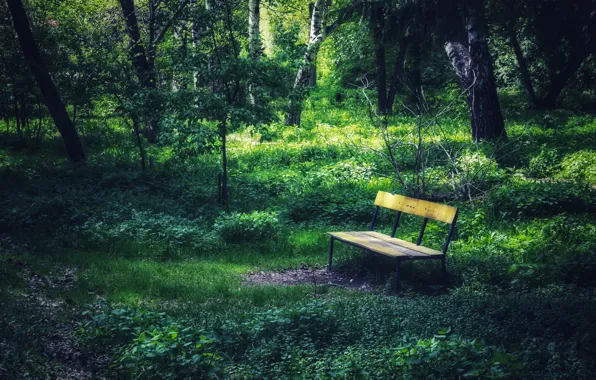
308 277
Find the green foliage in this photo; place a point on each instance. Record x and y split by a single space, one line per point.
148 227
579 166
523 198
446 356
257 226
337 205
149 345
544 164
153 243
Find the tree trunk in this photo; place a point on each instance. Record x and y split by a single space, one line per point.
15 100
224 163
254 41
523 67
144 65
559 82
145 72
196 34
24 118
209 6
377 21
312 81
5 117
317 36
469 55
52 99
398 73
416 75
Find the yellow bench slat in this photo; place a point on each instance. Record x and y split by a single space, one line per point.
431 210
404 243
363 239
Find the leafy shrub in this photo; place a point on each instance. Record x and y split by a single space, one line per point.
147 227
256 226
533 199
307 207
453 357
579 166
544 164
315 319
150 345
334 204
118 179
349 171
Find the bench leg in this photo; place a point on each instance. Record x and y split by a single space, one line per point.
397 264
330 254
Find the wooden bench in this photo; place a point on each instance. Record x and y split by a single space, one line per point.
396 249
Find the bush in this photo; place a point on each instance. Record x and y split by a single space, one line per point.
256 226
579 166
146 227
333 204
536 199
544 164
452 357
150 345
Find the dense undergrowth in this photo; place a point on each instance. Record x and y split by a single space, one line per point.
159 265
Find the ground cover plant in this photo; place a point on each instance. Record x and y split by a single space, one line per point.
183 232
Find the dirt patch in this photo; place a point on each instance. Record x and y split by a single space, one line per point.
308 277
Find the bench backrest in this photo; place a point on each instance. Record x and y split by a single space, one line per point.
431 210
426 209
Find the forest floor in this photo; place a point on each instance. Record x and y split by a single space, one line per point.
314 277
110 271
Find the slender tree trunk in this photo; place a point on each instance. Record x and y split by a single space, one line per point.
523 67
209 6
224 163
317 36
377 23
52 99
469 55
312 81
137 132
398 73
416 74
15 100
254 41
5 117
39 126
145 72
24 117
381 78
195 31
143 63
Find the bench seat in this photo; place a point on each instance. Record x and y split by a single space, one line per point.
386 245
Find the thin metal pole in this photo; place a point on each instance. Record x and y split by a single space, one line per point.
396 224
422 231
372 224
450 235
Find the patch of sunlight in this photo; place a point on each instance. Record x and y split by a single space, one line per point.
133 279
307 238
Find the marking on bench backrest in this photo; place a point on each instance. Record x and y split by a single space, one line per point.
431 210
